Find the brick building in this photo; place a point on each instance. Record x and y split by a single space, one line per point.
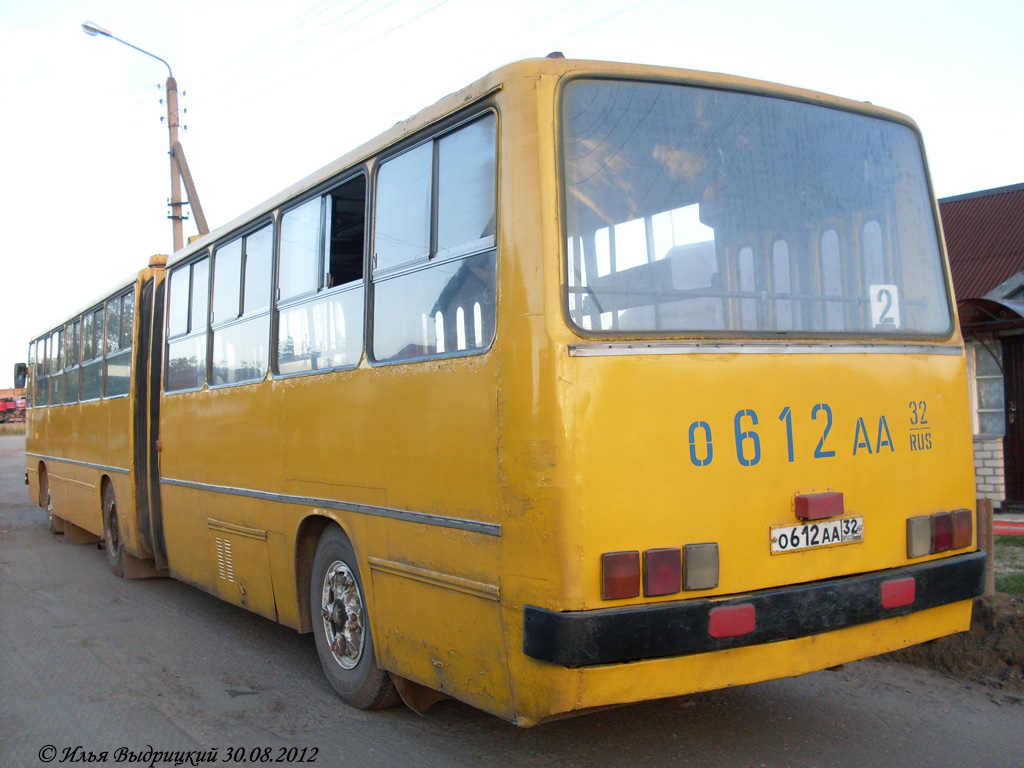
985 239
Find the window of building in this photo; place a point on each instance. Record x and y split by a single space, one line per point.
985 363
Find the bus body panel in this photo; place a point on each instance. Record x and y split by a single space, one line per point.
877 428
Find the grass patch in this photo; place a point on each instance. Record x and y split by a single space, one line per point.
1009 565
15 428
1011 584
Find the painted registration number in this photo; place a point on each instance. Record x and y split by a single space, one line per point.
827 533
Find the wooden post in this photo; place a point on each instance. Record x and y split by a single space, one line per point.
986 541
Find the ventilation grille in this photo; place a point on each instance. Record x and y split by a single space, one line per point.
225 565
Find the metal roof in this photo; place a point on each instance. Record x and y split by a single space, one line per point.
984 238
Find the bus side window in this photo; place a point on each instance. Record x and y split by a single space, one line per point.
320 302
92 356
56 368
346 230
120 318
42 374
72 374
188 314
241 292
435 287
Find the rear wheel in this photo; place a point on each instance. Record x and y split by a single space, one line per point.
112 532
46 502
341 626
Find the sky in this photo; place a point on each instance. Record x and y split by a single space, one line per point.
273 91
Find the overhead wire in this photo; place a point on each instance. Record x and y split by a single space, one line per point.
650 16
543 46
257 70
266 41
341 55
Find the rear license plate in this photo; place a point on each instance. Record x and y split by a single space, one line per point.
826 533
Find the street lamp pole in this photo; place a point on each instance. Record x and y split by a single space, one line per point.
179 166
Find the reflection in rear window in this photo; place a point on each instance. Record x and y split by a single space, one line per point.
695 210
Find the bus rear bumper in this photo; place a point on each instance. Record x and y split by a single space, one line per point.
634 633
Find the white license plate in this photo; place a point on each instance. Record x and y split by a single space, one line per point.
826 533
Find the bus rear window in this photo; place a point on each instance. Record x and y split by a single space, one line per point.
692 210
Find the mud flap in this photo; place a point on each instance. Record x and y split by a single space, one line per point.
417 697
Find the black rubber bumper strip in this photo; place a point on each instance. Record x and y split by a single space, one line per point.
616 635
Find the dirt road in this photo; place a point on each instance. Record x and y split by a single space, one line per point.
141 668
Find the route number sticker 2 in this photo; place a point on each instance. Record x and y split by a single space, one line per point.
885 307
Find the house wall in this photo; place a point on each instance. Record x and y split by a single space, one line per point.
988 468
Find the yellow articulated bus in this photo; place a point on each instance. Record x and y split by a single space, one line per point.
590 384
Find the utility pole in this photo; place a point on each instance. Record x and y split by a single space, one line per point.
172 128
179 166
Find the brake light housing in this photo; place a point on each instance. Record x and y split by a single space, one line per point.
939 532
663 572
620 575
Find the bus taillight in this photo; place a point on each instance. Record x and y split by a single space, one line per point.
941 532
620 575
663 571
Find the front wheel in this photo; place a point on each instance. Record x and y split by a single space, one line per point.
112 532
341 626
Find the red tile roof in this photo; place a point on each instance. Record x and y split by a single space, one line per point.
984 237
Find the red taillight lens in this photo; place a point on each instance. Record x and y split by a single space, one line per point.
663 572
731 621
620 575
898 592
942 532
963 528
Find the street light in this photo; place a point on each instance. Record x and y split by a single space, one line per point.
179 166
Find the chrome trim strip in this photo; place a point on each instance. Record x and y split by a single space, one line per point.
89 464
237 530
437 578
488 529
734 348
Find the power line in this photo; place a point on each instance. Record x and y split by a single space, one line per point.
265 41
619 29
365 43
261 68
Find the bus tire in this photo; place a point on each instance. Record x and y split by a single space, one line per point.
112 532
341 626
46 502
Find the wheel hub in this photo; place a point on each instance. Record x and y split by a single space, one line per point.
342 611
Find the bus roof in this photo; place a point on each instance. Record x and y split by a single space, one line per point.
528 69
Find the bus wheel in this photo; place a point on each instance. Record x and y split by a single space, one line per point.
112 532
46 502
342 628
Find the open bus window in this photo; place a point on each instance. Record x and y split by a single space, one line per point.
320 303
346 233
691 210
439 296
